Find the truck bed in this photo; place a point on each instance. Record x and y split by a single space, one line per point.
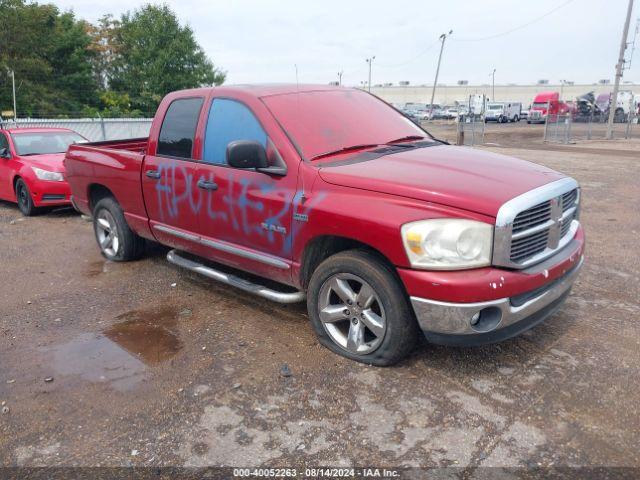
138 145
115 166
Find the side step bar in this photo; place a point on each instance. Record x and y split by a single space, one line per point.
174 257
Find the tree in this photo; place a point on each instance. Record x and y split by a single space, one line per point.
154 55
48 52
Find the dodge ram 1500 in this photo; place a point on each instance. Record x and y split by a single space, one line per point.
332 195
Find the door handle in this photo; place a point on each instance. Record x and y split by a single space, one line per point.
155 174
207 185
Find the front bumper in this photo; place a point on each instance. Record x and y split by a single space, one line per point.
495 320
45 193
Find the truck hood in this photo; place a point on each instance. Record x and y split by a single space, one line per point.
54 162
465 178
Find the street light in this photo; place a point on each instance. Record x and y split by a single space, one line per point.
340 77
443 37
370 61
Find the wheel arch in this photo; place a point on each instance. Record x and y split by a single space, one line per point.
96 192
322 247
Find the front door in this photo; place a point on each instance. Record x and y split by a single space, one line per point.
6 189
246 217
169 177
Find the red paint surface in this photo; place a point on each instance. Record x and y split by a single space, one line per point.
366 201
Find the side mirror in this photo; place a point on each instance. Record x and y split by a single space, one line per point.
4 153
246 154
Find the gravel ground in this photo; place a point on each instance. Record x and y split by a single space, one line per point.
106 364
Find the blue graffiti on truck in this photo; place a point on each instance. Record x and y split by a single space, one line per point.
236 208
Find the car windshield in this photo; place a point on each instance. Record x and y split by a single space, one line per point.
495 107
39 143
320 122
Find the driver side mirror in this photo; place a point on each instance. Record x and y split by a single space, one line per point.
4 153
246 154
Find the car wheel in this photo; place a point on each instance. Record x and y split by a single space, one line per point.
116 239
528 122
23 197
359 309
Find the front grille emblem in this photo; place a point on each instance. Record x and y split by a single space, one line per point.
556 217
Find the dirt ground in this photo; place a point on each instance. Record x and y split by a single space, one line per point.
106 364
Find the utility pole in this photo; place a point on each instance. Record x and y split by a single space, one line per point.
340 77
493 85
561 88
370 61
13 81
620 65
443 37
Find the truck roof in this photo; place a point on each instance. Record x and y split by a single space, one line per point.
262 90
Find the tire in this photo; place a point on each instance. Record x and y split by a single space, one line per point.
24 200
516 119
528 122
115 238
380 328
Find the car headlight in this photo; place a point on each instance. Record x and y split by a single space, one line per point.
47 175
448 243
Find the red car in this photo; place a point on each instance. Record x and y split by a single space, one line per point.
332 195
31 167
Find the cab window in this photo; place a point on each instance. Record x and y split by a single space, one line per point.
179 128
229 120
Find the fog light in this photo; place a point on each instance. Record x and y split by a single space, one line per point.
487 319
475 318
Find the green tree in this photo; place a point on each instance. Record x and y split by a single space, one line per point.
154 55
48 51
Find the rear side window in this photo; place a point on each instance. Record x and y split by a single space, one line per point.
3 141
229 120
179 128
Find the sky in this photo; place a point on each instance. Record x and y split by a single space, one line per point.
262 41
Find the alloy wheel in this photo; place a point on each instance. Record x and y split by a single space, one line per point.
351 313
107 233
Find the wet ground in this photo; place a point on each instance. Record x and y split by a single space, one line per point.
106 364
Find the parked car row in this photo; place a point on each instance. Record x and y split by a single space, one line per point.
359 214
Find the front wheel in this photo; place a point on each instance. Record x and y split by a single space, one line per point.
23 197
359 309
116 239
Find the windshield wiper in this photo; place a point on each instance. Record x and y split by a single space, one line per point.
345 149
406 139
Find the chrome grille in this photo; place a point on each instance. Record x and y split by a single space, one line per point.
535 225
532 217
525 247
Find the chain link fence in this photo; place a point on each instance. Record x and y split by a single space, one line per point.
93 129
566 128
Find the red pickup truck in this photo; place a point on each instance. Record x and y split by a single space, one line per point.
332 195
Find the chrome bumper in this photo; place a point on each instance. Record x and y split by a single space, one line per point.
439 319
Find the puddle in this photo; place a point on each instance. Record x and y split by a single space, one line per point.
122 354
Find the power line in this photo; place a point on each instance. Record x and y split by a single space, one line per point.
497 35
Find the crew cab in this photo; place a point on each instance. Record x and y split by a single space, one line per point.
31 168
330 194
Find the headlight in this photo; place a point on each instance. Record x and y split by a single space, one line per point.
448 243
47 175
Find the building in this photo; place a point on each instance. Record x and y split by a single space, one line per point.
449 94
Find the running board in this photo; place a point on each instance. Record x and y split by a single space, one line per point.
174 257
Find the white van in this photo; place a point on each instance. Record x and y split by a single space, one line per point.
503 112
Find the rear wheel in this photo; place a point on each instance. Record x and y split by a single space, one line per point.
359 310
116 239
23 197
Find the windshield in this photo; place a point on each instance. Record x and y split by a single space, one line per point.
38 143
326 121
495 107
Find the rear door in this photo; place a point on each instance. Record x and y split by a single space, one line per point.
246 216
169 176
